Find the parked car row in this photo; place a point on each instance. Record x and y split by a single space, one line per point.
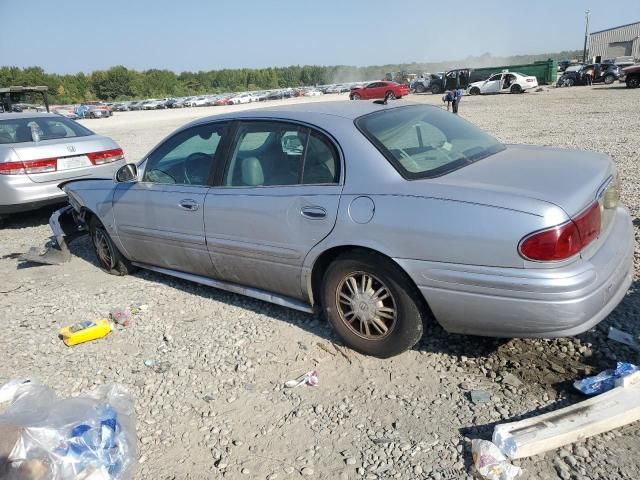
215 100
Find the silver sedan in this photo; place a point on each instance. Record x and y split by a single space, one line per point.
379 216
40 150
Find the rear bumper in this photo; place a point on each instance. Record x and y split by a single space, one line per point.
542 302
18 193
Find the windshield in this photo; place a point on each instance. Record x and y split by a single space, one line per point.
22 130
423 141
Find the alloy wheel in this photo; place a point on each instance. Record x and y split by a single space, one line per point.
366 305
103 249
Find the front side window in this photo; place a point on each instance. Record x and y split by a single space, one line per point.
279 154
422 141
187 158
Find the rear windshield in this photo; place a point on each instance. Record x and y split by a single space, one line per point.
423 141
23 130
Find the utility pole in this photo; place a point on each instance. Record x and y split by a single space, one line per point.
586 35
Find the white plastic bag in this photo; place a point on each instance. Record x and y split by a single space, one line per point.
91 436
491 462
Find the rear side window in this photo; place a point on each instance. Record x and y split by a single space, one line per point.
423 142
23 130
268 154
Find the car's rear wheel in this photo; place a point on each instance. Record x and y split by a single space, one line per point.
435 89
355 96
109 257
516 88
420 88
474 91
371 304
633 82
390 95
609 79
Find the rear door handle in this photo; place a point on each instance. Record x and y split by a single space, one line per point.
188 204
314 213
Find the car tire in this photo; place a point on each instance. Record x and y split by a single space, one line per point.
570 82
516 88
355 96
435 89
609 79
109 257
474 91
420 88
390 289
633 82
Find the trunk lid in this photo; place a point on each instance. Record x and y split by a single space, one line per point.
70 152
570 179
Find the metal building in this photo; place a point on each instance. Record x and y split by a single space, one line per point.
622 41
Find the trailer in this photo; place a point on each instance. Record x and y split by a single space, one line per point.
15 98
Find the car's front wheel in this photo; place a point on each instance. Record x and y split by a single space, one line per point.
420 88
109 257
371 304
435 89
355 96
474 91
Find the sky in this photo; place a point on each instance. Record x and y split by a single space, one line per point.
68 36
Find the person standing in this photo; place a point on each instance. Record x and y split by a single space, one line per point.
452 98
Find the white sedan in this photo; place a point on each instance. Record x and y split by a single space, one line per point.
243 98
502 83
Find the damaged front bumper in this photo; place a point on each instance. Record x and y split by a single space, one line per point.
65 228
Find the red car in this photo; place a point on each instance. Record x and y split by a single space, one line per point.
373 90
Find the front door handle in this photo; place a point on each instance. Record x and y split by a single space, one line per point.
314 213
188 204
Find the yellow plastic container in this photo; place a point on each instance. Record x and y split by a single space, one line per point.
85 331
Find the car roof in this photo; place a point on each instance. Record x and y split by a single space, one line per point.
350 109
9 116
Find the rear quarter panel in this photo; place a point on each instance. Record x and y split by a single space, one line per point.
432 229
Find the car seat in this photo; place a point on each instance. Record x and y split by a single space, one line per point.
23 134
252 173
57 131
320 163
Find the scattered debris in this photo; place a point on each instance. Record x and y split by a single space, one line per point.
385 440
604 381
90 437
8 390
491 463
85 331
480 396
121 316
327 348
158 367
7 289
624 337
511 379
599 414
310 378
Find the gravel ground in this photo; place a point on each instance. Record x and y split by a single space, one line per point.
213 403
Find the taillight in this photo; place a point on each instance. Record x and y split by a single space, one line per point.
106 156
44 165
563 241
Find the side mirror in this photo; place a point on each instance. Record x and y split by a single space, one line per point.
127 173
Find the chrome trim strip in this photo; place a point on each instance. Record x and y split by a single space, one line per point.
232 287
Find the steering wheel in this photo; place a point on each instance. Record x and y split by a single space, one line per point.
196 157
